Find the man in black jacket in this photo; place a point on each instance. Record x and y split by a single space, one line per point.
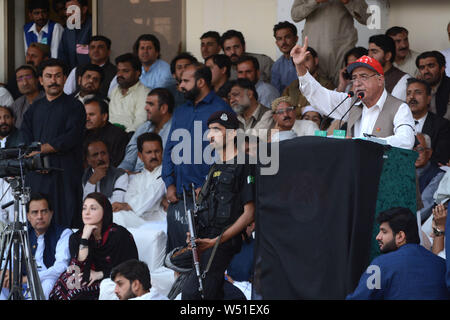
418 97
98 126
431 66
9 135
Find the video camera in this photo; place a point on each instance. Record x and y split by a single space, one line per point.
14 162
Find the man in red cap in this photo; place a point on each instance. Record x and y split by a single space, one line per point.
375 112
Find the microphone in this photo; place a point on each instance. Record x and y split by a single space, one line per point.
351 94
361 96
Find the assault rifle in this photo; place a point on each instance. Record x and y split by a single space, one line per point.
191 222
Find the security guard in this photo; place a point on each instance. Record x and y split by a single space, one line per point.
227 208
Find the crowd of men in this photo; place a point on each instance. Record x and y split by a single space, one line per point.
114 126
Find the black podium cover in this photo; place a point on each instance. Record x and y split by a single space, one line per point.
314 219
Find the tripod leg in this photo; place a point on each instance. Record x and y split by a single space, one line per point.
6 244
16 289
34 281
8 262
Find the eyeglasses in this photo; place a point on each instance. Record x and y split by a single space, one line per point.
420 149
363 78
281 111
20 79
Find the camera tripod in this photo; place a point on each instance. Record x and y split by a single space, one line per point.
15 249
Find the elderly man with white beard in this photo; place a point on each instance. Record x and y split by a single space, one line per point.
251 114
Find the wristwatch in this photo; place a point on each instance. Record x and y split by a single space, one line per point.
437 232
84 243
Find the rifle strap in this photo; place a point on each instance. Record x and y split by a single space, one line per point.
211 258
205 188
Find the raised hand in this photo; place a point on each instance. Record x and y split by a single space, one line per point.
99 173
440 216
88 230
172 194
300 53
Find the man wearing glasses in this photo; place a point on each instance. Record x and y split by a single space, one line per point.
28 84
286 126
251 114
377 113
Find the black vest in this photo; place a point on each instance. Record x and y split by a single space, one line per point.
443 97
108 182
220 208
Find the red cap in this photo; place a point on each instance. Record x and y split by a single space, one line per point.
366 62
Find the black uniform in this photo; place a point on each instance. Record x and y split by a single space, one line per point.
231 187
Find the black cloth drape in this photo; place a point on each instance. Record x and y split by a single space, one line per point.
314 219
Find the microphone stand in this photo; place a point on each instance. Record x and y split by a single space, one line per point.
360 97
351 94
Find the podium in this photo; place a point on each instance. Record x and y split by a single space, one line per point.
315 219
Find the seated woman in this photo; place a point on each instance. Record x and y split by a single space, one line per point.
95 250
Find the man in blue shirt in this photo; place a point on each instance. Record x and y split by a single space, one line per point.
184 162
405 270
159 106
283 70
155 72
248 68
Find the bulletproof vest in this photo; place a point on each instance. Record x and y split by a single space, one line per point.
219 208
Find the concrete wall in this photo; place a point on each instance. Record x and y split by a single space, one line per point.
254 18
426 21
19 9
284 14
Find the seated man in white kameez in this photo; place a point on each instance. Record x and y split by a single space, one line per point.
101 176
49 245
146 189
142 213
